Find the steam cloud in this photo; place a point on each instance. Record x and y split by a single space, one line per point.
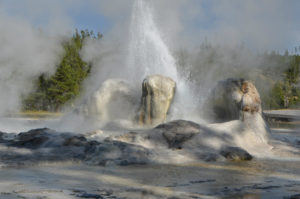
25 53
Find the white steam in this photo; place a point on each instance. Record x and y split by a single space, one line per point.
25 53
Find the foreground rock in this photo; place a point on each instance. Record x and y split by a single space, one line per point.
32 139
47 145
178 141
157 96
233 99
178 132
184 141
235 154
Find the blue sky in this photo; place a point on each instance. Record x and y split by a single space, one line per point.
262 24
40 13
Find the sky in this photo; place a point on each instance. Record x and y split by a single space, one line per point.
261 24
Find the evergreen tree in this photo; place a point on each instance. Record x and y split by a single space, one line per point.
63 87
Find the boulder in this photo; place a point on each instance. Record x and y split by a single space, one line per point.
112 101
231 99
235 153
157 95
178 132
32 139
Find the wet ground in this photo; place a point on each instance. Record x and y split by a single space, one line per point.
267 179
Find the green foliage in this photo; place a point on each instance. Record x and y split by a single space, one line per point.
63 87
276 100
286 93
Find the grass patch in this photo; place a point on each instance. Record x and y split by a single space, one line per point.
36 114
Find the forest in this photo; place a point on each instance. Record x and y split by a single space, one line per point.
276 75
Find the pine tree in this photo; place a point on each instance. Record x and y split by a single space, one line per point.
54 92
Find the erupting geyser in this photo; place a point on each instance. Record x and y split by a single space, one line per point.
148 53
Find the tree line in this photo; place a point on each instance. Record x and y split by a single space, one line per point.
281 72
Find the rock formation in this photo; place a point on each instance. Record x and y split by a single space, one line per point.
251 102
158 93
183 138
178 132
40 145
231 99
235 153
112 101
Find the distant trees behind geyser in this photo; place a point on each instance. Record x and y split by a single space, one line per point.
275 75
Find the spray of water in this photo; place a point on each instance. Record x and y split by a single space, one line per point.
149 54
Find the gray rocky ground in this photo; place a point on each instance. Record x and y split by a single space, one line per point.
254 179
172 160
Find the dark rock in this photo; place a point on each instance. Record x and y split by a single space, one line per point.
256 186
235 153
296 196
202 181
105 192
120 153
23 136
32 139
1 136
47 145
179 131
91 146
89 195
75 141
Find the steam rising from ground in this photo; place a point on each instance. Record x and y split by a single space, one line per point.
25 53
